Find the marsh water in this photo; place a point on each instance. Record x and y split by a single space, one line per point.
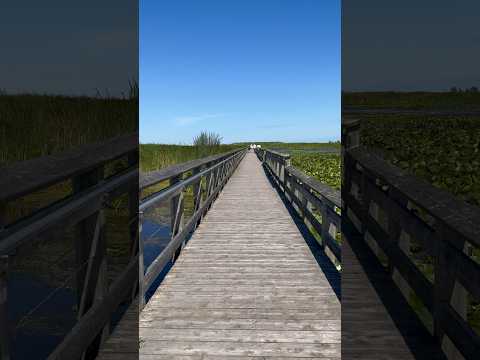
155 236
41 288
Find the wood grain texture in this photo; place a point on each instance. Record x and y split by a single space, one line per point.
123 342
377 322
28 176
245 286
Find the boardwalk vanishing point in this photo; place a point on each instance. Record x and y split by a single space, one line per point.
249 287
253 259
248 281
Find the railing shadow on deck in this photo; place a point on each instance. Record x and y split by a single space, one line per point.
315 209
206 178
423 238
83 210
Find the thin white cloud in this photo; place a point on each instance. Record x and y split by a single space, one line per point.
190 120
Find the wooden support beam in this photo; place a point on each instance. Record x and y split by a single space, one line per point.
4 324
141 266
176 213
133 223
90 256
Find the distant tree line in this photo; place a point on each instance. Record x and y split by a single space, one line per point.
455 89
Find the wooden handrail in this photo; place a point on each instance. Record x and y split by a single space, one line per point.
84 209
326 192
154 177
384 202
95 318
215 171
66 212
31 175
461 217
309 197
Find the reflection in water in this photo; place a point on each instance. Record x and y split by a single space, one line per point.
155 236
43 331
42 295
47 326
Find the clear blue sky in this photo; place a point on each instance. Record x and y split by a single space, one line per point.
249 70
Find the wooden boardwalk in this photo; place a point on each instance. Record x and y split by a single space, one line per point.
375 314
123 342
246 285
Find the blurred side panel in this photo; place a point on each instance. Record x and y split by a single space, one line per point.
411 180
68 179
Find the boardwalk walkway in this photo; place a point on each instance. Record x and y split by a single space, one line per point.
245 286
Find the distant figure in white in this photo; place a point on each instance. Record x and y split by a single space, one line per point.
255 146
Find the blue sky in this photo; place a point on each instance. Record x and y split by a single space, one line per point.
249 70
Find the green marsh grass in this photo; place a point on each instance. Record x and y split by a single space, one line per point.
442 150
36 125
158 156
33 126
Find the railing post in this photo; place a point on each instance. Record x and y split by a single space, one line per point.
208 183
90 283
285 162
289 181
176 213
197 194
447 291
325 225
4 325
141 265
133 198
350 133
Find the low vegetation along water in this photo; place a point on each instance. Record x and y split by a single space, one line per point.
319 160
443 150
41 287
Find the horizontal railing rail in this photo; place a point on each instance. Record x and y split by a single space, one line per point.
92 191
28 176
207 177
318 204
396 212
154 177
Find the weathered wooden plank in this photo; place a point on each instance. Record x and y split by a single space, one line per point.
246 284
218 357
375 314
97 316
240 336
64 213
292 350
126 332
31 175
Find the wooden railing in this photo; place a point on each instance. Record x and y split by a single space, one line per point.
84 209
317 203
394 213
207 177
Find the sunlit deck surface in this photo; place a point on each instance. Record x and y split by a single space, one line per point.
246 285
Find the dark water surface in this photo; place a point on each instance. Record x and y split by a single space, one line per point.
35 334
156 237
